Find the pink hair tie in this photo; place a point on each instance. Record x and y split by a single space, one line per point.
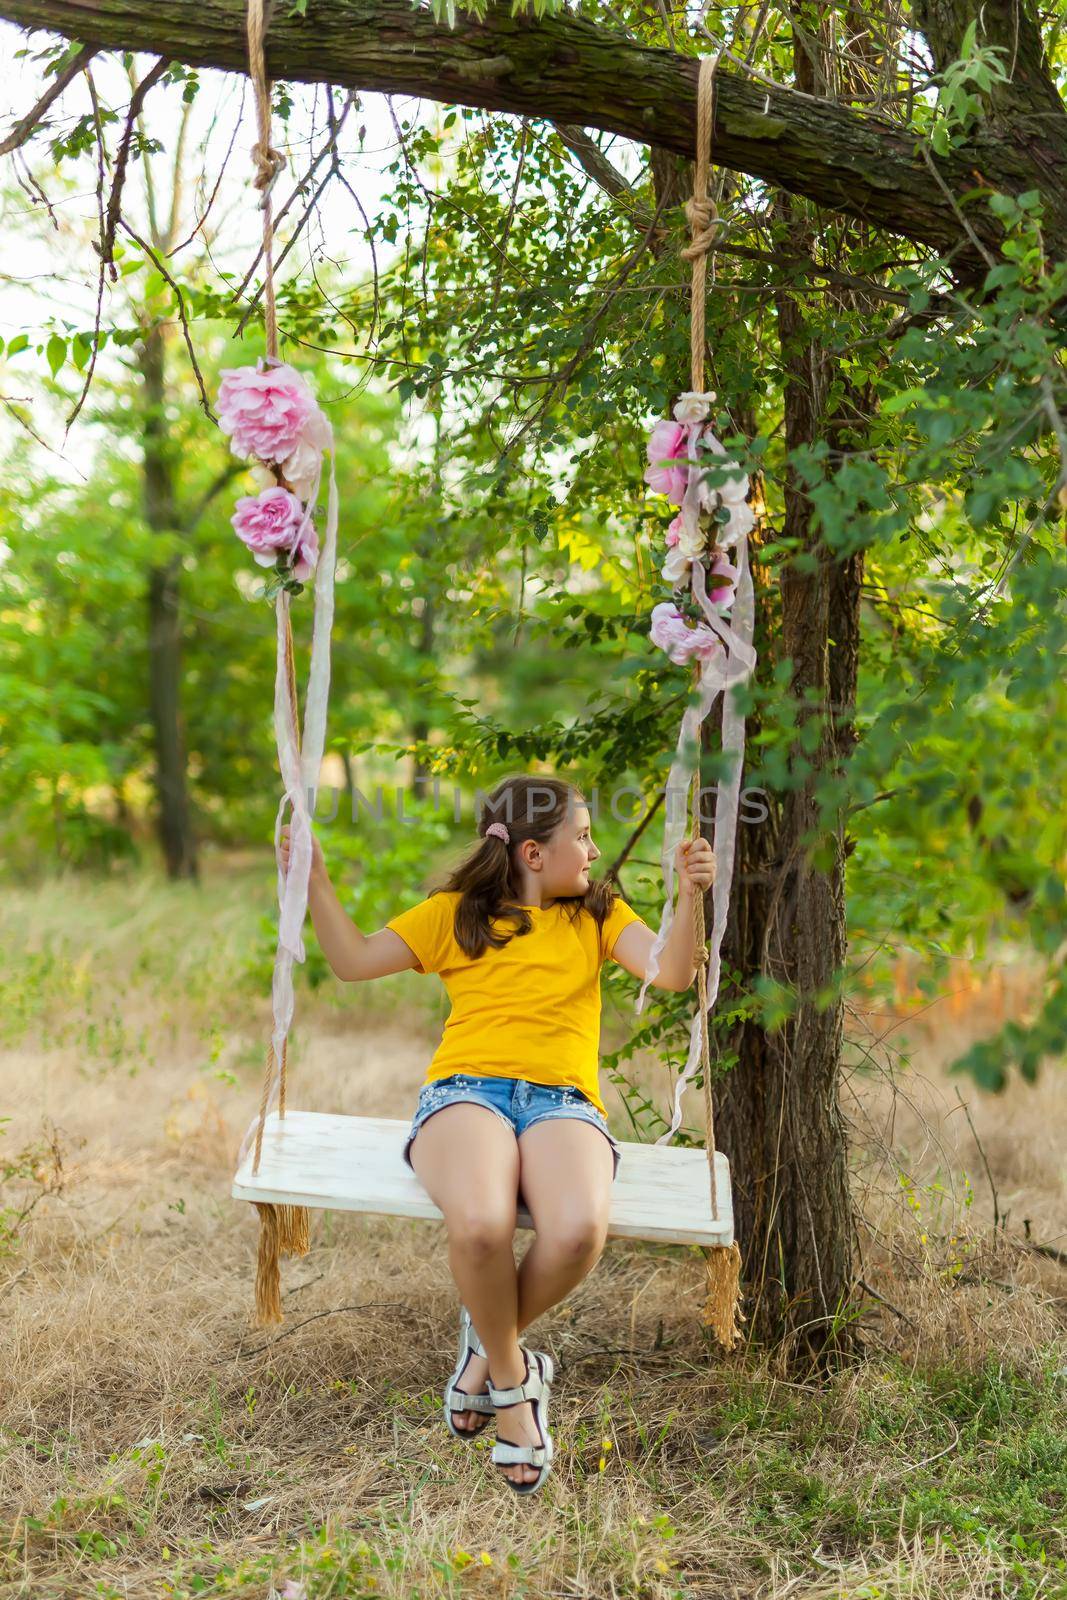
498 831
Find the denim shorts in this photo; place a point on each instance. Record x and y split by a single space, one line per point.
516 1101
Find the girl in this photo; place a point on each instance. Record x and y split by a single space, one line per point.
510 1111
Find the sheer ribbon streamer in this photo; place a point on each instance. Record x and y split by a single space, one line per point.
719 674
299 763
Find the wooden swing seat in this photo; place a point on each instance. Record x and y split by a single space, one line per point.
310 1158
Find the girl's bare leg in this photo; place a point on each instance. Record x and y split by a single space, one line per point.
566 1171
467 1160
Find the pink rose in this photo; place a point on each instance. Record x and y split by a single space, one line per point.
302 465
668 629
306 552
667 444
264 412
268 522
722 595
673 634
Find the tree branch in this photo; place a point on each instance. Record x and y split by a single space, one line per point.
28 124
569 70
140 93
183 318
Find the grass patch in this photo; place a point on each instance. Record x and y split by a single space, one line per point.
151 1444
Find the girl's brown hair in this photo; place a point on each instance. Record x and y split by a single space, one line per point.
487 879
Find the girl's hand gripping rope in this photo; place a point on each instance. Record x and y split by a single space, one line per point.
318 860
694 862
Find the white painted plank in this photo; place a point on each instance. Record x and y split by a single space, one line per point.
311 1158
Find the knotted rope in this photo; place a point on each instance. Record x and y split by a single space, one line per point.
703 218
269 163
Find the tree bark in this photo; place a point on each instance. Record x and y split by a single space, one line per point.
420 728
1013 31
425 649
570 70
1026 111
164 625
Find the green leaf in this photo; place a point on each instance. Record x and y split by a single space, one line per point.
902 401
56 353
81 349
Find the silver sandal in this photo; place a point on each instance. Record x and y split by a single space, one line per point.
457 1399
540 1370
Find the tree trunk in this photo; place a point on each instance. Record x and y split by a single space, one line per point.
420 730
164 624
777 1114
425 544
571 70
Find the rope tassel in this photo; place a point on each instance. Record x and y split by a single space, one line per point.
283 1231
721 1310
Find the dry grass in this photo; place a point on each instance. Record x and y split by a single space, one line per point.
956 1186
154 1444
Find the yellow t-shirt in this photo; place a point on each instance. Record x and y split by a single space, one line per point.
530 1010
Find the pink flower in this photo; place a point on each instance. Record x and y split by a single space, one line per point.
668 628
306 552
672 633
723 594
268 522
674 531
668 443
675 569
302 465
264 412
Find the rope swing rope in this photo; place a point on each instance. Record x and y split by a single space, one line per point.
284 1229
703 218
269 162
722 1305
